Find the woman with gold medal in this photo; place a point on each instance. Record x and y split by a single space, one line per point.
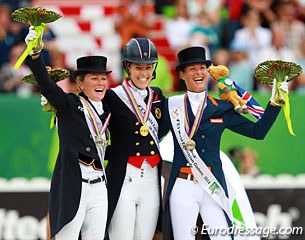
134 166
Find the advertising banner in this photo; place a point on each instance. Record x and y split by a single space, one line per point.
23 213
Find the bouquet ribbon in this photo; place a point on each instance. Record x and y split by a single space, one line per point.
31 45
286 108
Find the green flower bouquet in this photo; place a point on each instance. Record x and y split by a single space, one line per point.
281 71
56 75
37 17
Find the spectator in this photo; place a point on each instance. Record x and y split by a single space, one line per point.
211 8
220 57
248 163
241 70
15 4
278 50
252 35
287 22
177 30
231 21
234 154
204 34
10 32
133 18
264 8
10 79
298 85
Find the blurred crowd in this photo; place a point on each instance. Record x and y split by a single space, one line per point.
242 33
239 34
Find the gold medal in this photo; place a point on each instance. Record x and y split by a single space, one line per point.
158 113
190 145
144 131
99 142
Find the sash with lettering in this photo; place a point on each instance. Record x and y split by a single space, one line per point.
97 129
201 172
139 108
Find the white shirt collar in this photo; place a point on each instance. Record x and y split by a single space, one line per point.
196 97
141 92
98 106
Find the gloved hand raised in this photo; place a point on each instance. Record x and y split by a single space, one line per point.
31 36
43 100
274 95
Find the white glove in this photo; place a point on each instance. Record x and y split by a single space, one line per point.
31 36
283 87
43 100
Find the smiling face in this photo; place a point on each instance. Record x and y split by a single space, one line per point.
195 77
94 85
141 74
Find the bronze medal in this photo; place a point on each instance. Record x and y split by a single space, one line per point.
158 113
144 131
99 142
190 145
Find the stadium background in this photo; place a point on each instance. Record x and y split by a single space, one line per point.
28 147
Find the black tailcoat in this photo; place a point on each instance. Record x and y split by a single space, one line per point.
126 141
74 140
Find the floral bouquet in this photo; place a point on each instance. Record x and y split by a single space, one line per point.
281 71
57 75
37 17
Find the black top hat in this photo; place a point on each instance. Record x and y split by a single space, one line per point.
191 55
91 64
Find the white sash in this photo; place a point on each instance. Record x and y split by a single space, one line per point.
101 150
151 122
201 172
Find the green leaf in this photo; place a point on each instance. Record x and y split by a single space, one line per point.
266 71
34 15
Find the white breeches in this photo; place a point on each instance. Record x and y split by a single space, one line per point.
91 216
136 214
187 200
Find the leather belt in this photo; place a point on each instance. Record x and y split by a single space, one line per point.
93 181
186 176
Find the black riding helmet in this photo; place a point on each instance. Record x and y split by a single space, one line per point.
140 50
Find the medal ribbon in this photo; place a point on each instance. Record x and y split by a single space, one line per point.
202 174
93 118
198 116
141 118
151 122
